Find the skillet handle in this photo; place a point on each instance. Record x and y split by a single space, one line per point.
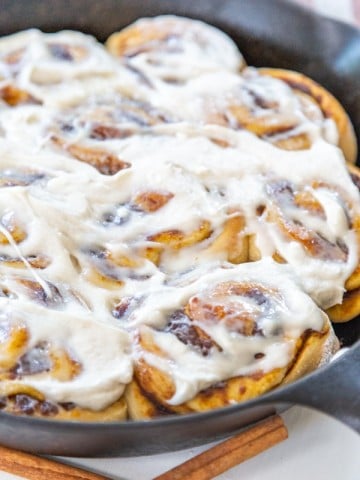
334 389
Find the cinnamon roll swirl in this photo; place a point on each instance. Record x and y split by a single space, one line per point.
312 95
312 225
174 49
48 377
227 337
57 69
349 308
282 107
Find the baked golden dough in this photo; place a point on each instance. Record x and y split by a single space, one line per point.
17 361
289 214
283 194
152 389
231 244
105 162
283 107
174 49
27 401
350 306
13 96
311 92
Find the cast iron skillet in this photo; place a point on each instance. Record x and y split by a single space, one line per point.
269 33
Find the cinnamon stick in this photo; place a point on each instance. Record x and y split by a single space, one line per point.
205 466
38 468
231 452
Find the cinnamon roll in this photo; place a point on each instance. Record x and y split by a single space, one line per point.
227 337
57 69
174 49
308 217
349 308
312 95
282 107
55 377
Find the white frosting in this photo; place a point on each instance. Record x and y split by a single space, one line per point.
209 98
180 49
98 289
288 309
100 349
61 69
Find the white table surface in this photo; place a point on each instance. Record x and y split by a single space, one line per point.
318 448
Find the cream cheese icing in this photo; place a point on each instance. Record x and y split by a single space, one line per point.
75 242
173 49
282 314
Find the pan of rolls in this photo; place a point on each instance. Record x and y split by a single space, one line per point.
179 225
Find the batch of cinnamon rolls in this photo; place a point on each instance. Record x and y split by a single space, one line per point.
177 229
